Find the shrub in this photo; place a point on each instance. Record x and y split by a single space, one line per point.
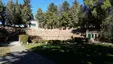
3 34
23 38
35 39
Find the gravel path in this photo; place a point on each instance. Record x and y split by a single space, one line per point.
17 49
19 55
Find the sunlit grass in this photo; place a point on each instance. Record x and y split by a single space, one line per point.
32 45
105 44
4 50
110 55
74 53
81 53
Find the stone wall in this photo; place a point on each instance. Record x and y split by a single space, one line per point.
52 34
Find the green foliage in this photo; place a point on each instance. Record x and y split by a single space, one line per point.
65 6
3 34
58 17
52 8
94 13
2 12
17 14
106 4
27 12
100 16
107 28
65 20
76 53
90 3
29 46
50 18
111 1
10 12
75 14
40 17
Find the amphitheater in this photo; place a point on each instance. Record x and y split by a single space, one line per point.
52 34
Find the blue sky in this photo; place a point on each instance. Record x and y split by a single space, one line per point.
43 4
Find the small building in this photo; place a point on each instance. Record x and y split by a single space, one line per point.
92 34
33 25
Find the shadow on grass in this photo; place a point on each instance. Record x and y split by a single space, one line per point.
76 53
25 57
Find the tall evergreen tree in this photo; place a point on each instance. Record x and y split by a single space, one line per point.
10 12
107 28
13 13
96 12
18 11
100 15
64 18
52 8
51 16
107 24
75 14
27 12
65 6
2 12
40 17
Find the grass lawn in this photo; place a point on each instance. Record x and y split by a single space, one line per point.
4 50
76 53
32 45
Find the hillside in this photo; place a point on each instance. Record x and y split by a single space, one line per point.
52 34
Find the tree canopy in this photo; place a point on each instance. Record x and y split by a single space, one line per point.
15 13
95 14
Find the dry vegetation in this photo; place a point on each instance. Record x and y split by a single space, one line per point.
53 34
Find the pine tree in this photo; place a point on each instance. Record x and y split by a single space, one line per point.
27 12
65 6
75 14
52 8
10 12
107 28
18 11
64 18
40 17
51 16
96 12
2 13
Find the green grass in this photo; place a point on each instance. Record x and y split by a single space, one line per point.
32 45
4 50
105 44
77 53
74 53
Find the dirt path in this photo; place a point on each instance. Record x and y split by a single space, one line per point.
19 55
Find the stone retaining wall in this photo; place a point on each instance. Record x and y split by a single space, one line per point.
52 34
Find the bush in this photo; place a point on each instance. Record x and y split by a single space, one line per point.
3 34
23 38
35 39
